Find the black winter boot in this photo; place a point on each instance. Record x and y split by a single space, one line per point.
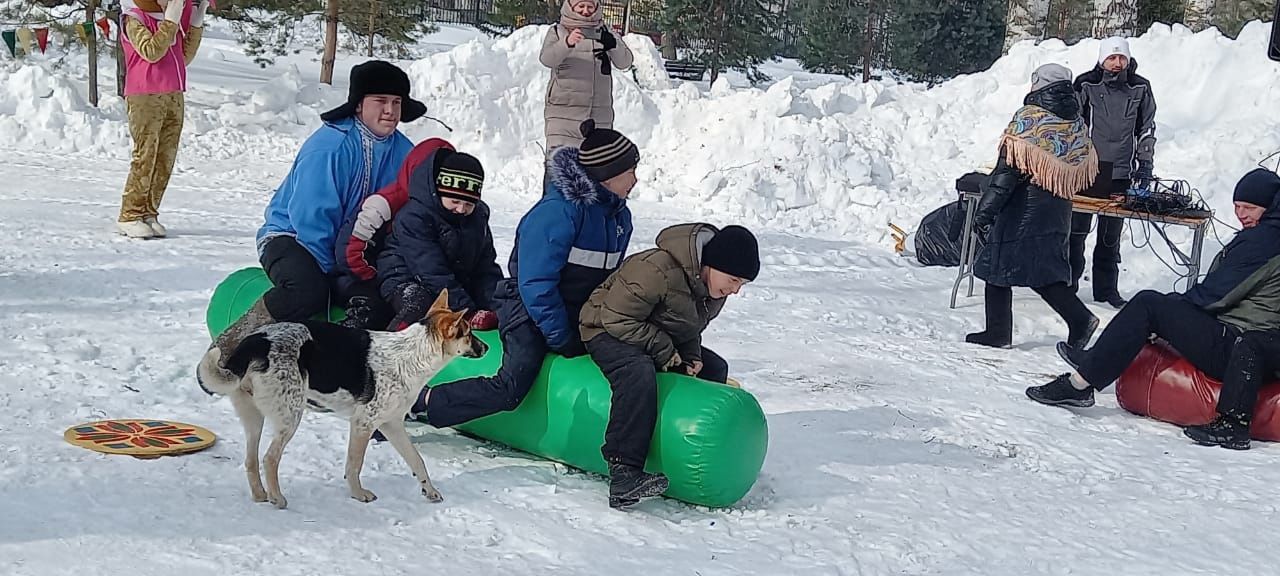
1227 430
1060 392
999 310
1078 337
628 484
1074 357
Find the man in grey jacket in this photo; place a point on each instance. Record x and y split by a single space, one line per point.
1120 110
581 53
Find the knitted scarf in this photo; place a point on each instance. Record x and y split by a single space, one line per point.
571 20
1056 153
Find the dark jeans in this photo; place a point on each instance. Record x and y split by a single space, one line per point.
1254 361
633 411
1106 253
523 351
300 288
1197 336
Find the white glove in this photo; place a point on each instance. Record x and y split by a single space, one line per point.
373 214
197 15
173 11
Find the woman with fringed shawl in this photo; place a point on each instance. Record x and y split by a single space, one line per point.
1046 157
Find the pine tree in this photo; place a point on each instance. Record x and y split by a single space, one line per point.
932 40
517 13
396 22
1230 16
267 27
1162 11
725 34
831 30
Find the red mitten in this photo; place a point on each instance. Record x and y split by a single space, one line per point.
484 320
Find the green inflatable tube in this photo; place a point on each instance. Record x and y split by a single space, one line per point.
710 439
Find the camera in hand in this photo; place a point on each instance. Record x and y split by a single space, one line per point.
592 33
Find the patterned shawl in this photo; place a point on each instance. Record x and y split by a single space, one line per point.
1056 153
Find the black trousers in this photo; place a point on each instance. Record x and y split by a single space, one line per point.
300 288
1197 336
1106 253
633 411
523 351
1059 297
1254 361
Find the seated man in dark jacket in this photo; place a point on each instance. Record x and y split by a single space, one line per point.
649 316
1238 299
441 239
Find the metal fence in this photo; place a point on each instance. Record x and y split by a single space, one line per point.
483 14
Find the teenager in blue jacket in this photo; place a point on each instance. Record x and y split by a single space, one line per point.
357 151
566 245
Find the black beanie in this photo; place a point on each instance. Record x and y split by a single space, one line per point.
734 251
460 177
1259 187
606 153
377 77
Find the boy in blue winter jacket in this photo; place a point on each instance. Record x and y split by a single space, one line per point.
566 245
357 151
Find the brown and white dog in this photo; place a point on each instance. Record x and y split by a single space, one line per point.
370 378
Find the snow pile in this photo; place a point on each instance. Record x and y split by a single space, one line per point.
834 157
844 157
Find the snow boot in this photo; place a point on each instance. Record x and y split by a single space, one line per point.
1227 430
1079 336
157 229
1115 301
1060 392
1073 356
628 484
135 229
999 311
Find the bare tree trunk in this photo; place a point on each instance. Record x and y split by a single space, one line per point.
118 50
1026 20
373 12
869 34
1198 14
669 41
1115 18
330 41
92 39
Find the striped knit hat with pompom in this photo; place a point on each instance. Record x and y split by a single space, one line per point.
606 153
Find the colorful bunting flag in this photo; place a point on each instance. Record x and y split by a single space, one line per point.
105 25
10 38
42 38
26 40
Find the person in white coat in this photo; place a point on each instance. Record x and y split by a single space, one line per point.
581 53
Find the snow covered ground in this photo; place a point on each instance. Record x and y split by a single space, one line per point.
895 448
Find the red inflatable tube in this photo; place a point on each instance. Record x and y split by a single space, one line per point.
1165 386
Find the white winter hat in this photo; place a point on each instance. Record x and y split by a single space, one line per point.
1113 46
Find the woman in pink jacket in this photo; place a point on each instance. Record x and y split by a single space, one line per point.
160 39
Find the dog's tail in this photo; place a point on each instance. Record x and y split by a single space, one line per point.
217 377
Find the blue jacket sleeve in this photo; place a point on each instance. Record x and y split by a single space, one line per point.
315 209
546 237
417 241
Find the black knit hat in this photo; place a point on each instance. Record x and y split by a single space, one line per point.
1259 187
377 77
734 251
606 153
460 177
